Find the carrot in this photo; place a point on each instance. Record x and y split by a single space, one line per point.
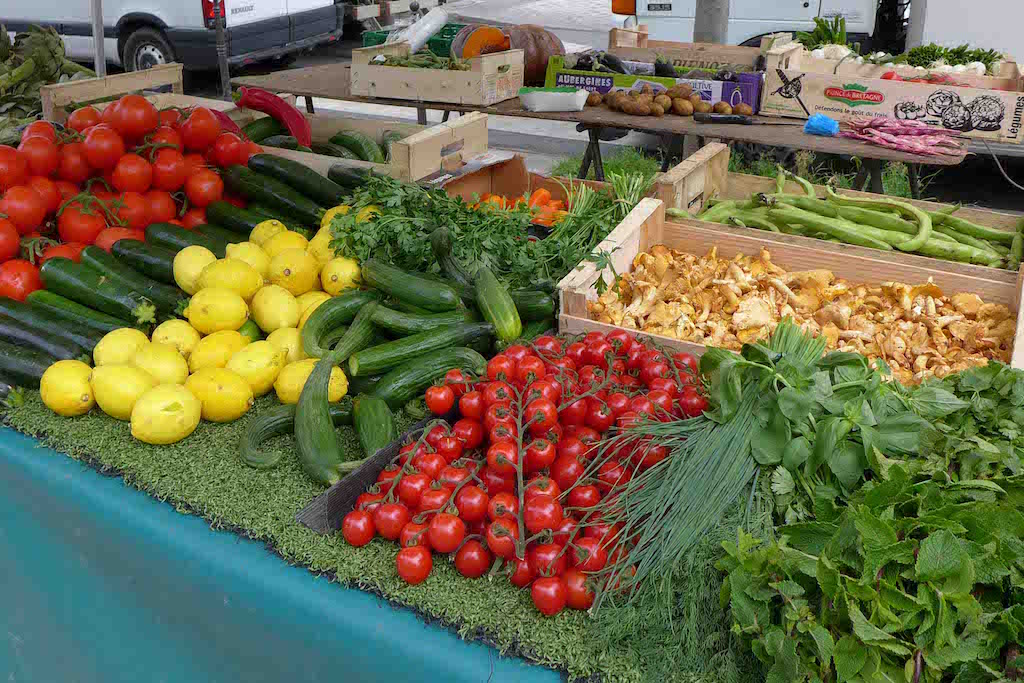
497 201
556 204
484 197
539 197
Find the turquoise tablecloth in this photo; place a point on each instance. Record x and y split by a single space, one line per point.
99 582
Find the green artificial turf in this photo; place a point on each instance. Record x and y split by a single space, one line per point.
624 160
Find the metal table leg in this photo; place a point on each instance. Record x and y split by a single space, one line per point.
875 182
421 116
585 164
309 104
595 152
444 119
861 178
914 176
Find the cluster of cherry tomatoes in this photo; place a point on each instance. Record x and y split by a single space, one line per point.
105 176
514 484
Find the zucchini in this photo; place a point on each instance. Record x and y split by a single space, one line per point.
282 141
275 422
328 316
263 189
361 144
216 232
175 238
233 218
386 140
332 150
149 259
533 304
42 340
164 296
531 331
496 305
302 178
89 287
262 128
383 357
402 323
23 366
74 312
441 246
348 177
402 384
413 289
42 320
374 424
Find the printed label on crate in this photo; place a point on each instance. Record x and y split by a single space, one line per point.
601 84
854 95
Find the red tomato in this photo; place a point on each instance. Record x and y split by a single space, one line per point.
469 432
160 205
502 457
589 555
103 148
389 519
566 531
541 486
369 501
47 191
501 537
450 448
498 392
607 534
194 163
132 209
503 505
517 352
446 532
135 117
13 168
592 337
473 559
388 473
539 455
411 488
41 154
109 113
543 388
650 455
542 512
105 240
169 171
204 187
413 534
471 502
547 559
494 483
691 403
584 496
566 471
641 405
618 402
471 405
435 434
165 135
574 414
549 595
611 474
67 190
547 345
440 399
598 352
653 369
572 447
521 575
453 475
10 240
541 414
169 117
635 359
24 208
227 150
456 379
72 166
501 367
84 118
39 129
664 384
621 341
357 528
529 369
413 564
194 217
503 431
200 129
575 352
433 499
561 367
430 464
18 279
662 404
498 413
599 415
578 595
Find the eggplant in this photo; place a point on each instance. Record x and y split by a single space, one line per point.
664 68
612 63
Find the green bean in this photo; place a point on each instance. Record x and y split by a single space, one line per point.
972 241
1017 249
780 180
814 205
677 213
835 228
749 219
923 220
721 209
964 253
804 183
878 219
972 229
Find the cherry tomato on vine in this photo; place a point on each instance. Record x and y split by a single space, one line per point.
430 464
456 379
549 595
599 416
501 367
200 129
547 559
24 208
542 512
103 148
227 150
529 369
433 499
502 505
194 163
41 154
440 399
574 414
10 240
39 129
541 414
414 564
469 432
578 595
521 575
83 118
575 352
560 367
473 559
165 135
498 392
495 483
453 475
357 528
203 187
193 218
691 403
566 471
540 453
13 168
72 166
79 224
411 488
106 238
621 341
389 519
169 170
414 534
369 501
471 502
543 388
566 531
450 448
611 474
598 353
665 384
133 210
589 555
541 486
446 532
547 345
586 496
471 405
47 191
160 204
498 413
18 279
169 117
501 537
502 457
135 117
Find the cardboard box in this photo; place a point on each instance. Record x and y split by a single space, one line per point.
635 45
505 173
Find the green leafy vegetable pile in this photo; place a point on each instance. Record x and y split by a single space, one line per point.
926 55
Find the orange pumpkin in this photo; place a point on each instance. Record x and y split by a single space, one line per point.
538 45
478 39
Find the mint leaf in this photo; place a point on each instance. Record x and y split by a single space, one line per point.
872 635
850 657
823 640
795 404
847 465
940 556
828 578
796 453
769 442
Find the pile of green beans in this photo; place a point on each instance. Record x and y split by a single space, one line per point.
879 223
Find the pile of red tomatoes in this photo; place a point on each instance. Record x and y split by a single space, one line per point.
515 483
105 176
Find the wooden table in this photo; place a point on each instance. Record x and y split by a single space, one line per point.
331 81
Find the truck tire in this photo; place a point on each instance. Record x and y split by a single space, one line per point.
145 48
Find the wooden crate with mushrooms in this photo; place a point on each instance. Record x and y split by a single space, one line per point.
694 285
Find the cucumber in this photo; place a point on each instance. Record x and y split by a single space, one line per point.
332 150
75 313
383 357
441 246
362 385
533 304
363 147
374 424
230 217
388 138
358 336
216 232
496 305
265 213
402 323
89 287
402 384
164 296
328 316
272 192
348 177
148 259
414 289
262 128
406 307
42 320
281 141
275 422
300 177
42 340
175 238
23 366
531 331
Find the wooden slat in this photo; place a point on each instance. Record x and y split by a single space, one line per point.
57 96
570 324
447 145
703 175
638 47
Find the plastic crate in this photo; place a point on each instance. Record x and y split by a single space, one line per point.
440 44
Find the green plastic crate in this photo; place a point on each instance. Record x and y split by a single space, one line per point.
440 43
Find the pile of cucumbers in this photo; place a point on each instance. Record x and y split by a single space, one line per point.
346 144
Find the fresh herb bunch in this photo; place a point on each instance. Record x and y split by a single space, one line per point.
825 33
926 55
916 581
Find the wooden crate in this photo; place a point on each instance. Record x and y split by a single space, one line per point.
646 226
706 174
635 45
493 78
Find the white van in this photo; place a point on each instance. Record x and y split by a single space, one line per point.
139 34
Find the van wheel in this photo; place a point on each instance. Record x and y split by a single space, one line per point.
146 48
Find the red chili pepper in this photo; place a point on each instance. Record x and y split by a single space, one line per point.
226 124
272 105
891 76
